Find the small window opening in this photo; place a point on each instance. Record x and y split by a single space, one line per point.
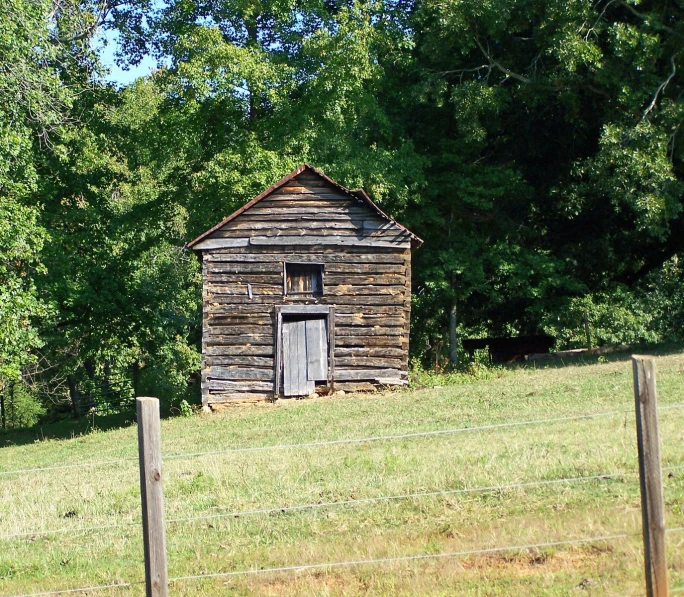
304 279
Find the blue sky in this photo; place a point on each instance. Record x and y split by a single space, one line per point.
116 74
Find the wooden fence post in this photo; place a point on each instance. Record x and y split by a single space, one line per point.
650 476
152 497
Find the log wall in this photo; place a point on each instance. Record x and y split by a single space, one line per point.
367 277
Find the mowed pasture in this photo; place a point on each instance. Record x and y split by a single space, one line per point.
219 488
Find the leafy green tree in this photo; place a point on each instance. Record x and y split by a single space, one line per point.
32 104
555 169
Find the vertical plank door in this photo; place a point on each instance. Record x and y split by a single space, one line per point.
317 349
295 382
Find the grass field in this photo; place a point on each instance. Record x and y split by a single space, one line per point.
226 482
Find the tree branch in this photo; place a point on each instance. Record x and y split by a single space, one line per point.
494 63
643 17
660 89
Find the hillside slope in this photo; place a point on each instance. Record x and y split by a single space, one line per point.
466 472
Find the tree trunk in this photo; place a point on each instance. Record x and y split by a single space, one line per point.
13 412
136 378
2 409
73 394
586 329
453 338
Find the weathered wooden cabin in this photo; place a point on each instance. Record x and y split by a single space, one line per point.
307 288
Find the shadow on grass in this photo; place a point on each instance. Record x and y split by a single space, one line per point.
66 428
582 359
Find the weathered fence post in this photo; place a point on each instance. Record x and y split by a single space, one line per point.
152 497
650 477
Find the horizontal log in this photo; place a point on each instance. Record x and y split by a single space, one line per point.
391 341
304 194
239 319
316 202
215 339
212 361
400 241
300 229
372 311
241 289
308 223
246 278
353 290
330 256
297 209
311 181
221 243
396 241
367 374
216 302
217 397
236 350
240 386
376 254
360 302
274 231
361 351
308 188
375 362
365 268
239 373
359 331
388 233
305 309
239 267
215 309
247 331
361 320
363 278
336 215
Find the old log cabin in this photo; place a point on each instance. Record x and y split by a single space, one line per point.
305 288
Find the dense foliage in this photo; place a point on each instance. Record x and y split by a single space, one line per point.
535 145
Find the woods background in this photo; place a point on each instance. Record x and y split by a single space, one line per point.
534 144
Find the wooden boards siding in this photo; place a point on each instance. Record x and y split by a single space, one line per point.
368 282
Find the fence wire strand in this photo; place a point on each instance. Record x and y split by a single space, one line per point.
393 559
114 585
335 503
347 563
343 441
339 503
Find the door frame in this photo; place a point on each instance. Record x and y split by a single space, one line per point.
328 311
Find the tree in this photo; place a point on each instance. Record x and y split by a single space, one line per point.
32 104
555 167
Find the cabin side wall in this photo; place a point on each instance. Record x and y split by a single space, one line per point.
367 277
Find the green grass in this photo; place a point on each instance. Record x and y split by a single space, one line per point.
278 478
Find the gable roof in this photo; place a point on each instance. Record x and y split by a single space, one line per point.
359 194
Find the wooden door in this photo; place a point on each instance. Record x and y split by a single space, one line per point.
305 355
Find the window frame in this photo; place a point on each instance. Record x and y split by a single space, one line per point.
310 264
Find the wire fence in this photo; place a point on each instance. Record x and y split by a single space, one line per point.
338 503
338 442
349 502
358 562
347 563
